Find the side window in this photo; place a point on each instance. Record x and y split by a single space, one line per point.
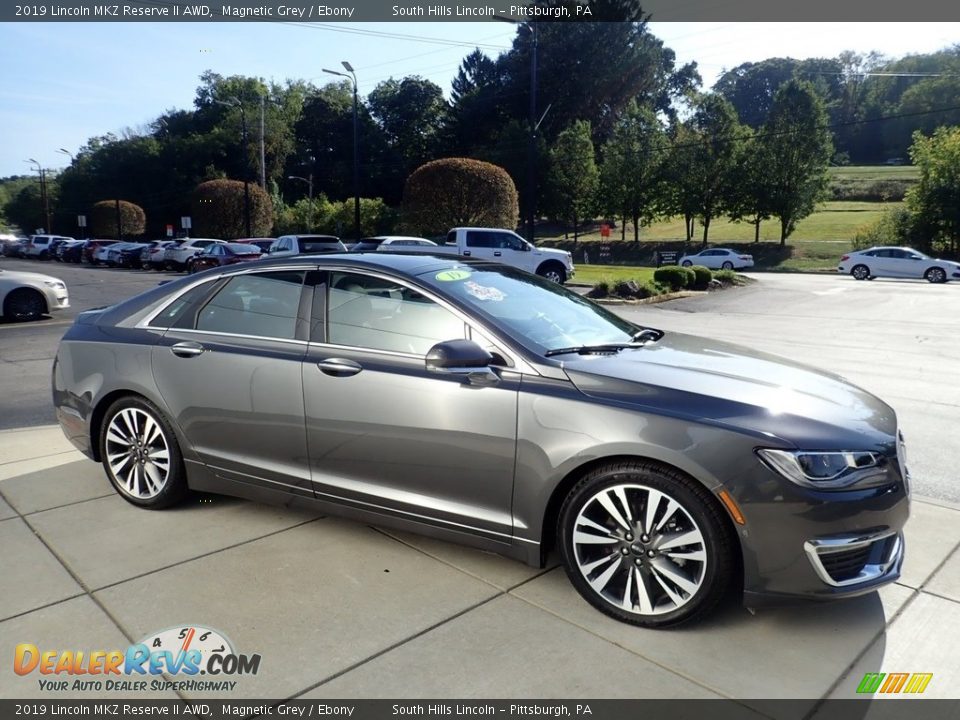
175 311
202 243
452 237
479 239
261 304
369 312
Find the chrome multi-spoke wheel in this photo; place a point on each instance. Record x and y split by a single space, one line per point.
140 454
645 544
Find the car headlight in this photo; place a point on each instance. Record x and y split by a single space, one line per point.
56 285
828 470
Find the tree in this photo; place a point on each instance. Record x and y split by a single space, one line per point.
708 156
935 200
25 208
104 220
573 178
800 151
631 176
218 210
459 191
749 198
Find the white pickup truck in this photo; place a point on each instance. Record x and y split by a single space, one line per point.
503 246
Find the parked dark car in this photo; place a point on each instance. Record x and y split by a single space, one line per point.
72 252
129 255
223 254
475 402
15 249
63 247
90 247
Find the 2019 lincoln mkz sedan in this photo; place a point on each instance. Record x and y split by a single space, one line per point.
476 403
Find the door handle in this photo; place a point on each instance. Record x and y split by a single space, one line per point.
187 349
466 253
339 367
497 253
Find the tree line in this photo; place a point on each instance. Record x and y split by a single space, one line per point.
622 129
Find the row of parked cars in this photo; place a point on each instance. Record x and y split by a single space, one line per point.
190 254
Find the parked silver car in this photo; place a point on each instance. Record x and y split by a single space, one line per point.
478 403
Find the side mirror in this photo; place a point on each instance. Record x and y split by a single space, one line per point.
464 358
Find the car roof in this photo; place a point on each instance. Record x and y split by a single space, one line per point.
406 263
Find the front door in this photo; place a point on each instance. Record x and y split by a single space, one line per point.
385 434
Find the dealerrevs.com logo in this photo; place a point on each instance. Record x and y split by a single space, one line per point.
183 653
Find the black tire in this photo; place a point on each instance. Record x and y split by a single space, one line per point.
24 304
860 272
687 263
696 509
553 271
727 265
141 463
936 275
43 256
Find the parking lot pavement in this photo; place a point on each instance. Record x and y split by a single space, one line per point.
340 609
899 339
27 349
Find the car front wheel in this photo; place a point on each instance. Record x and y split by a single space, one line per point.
553 272
936 275
140 454
860 272
727 265
24 304
687 263
645 544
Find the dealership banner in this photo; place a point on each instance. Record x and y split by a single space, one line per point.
109 707
312 11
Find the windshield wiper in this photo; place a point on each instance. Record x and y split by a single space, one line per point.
604 349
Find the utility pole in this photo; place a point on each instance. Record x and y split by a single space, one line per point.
532 145
356 145
235 102
263 152
116 204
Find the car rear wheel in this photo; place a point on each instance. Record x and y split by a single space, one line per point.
860 272
687 263
553 272
24 304
727 265
936 275
140 454
645 544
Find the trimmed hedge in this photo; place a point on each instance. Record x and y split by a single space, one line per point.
676 277
701 277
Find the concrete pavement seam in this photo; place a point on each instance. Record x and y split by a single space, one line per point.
43 607
660 665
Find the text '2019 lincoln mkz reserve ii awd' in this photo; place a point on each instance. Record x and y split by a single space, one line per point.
477 403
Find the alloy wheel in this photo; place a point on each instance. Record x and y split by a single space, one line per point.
137 453
936 275
639 549
860 272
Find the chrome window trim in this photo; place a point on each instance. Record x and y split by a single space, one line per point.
519 364
144 324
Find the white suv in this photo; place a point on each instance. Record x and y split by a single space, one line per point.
42 246
305 245
175 256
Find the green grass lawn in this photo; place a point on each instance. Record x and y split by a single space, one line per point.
836 221
875 172
592 274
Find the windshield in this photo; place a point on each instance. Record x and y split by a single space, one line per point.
539 314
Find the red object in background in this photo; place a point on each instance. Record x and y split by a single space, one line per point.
604 230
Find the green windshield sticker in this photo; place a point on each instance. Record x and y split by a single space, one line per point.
452 275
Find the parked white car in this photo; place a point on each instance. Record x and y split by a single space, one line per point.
286 245
399 242
27 296
897 262
718 259
43 246
101 253
152 258
175 256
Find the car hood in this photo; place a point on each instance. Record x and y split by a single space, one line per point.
726 384
18 276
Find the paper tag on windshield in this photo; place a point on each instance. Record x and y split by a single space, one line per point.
484 292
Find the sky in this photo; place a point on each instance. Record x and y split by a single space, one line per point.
64 83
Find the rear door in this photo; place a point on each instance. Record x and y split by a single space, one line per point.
230 371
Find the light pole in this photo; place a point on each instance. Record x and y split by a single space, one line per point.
44 200
309 182
356 145
235 102
72 161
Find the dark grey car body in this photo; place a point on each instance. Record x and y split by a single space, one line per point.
401 446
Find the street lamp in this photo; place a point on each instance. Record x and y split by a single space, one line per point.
44 201
356 145
235 102
309 182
